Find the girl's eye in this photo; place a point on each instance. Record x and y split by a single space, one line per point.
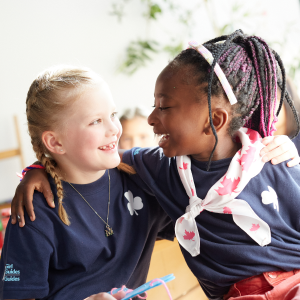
114 114
96 122
163 108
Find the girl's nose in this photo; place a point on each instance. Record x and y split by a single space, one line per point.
152 118
113 129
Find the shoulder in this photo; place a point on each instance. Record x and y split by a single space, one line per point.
153 154
282 171
149 158
149 163
45 215
282 179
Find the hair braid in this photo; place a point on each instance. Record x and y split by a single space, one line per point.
217 56
50 168
250 67
291 104
283 89
126 168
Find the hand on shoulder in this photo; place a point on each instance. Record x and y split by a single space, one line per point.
33 180
279 149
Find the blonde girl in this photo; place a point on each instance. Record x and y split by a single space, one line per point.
101 233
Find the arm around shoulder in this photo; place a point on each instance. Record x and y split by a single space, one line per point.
33 180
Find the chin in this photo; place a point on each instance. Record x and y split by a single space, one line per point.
169 153
113 162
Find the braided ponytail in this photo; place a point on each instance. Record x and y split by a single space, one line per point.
126 168
50 168
45 108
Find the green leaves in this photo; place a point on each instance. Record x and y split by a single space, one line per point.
138 53
154 10
181 23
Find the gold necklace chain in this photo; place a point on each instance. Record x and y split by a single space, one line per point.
108 230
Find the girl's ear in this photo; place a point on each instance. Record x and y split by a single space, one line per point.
52 142
220 119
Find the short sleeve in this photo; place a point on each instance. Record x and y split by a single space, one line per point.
147 163
24 263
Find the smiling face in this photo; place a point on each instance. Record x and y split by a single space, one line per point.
179 115
90 136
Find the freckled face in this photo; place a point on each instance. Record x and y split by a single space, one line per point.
179 115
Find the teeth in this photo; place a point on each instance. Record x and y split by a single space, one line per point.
164 137
110 146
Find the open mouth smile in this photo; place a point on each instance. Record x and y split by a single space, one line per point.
110 146
164 138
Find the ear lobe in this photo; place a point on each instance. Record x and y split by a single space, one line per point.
52 143
220 118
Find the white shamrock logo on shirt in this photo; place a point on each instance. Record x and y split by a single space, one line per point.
269 197
134 203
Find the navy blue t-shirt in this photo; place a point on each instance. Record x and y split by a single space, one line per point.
227 253
47 259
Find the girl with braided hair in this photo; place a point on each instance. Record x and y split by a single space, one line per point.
213 104
237 224
74 249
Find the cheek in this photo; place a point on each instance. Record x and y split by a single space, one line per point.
90 138
119 126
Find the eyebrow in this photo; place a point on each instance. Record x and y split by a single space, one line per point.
163 95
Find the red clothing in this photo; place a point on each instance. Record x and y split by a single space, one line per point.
267 286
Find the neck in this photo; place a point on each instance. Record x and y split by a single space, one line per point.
226 148
76 176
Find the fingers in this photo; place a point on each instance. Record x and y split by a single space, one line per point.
119 295
43 186
104 296
46 190
19 210
14 207
294 162
273 142
267 140
279 149
27 201
277 154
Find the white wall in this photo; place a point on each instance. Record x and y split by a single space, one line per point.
35 34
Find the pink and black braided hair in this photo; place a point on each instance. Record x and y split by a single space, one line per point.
250 66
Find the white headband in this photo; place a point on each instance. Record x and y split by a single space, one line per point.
208 56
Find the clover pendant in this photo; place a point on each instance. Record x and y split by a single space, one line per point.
108 231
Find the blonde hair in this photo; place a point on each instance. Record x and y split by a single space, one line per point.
44 108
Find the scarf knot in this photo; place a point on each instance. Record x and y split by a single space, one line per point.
195 208
221 197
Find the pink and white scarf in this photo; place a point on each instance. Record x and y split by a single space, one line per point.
221 198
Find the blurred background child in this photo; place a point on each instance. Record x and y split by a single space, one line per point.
136 130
